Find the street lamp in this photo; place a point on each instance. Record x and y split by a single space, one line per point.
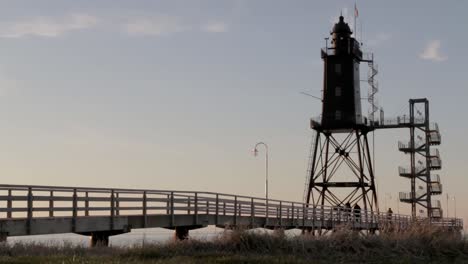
255 152
455 206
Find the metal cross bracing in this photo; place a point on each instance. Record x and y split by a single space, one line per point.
102 212
329 184
327 154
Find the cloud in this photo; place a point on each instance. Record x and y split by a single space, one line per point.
379 38
155 26
432 52
47 26
215 27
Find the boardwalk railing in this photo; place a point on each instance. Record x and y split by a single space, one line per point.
30 203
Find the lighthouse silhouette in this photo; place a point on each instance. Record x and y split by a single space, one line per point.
341 94
341 166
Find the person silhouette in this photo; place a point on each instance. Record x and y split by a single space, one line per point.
389 214
348 211
357 213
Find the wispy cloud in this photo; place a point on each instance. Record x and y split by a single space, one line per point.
47 26
432 52
378 39
166 25
156 26
215 27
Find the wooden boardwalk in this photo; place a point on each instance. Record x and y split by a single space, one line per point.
102 212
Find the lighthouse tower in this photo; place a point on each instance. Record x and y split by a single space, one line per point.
341 167
341 93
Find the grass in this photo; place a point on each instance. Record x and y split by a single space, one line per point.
420 244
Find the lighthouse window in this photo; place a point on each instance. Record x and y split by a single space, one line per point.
338 68
338 115
338 91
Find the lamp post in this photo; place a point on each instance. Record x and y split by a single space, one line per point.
255 151
447 205
454 205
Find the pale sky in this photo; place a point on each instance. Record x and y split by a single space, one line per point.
175 94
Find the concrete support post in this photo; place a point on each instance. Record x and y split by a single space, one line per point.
3 238
181 233
100 239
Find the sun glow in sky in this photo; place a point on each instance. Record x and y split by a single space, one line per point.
175 94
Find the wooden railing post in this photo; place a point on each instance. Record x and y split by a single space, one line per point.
313 218
30 210
292 213
252 212
51 204
207 207
188 205
9 204
172 209
86 204
75 210
112 210
304 214
217 210
224 208
144 209
196 208
168 204
281 214
235 210
117 204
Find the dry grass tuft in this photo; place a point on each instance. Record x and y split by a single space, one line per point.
421 243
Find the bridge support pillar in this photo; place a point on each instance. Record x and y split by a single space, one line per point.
100 239
3 237
181 233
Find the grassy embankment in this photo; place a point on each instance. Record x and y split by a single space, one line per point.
421 244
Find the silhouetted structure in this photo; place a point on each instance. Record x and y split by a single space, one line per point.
341 137
341 132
